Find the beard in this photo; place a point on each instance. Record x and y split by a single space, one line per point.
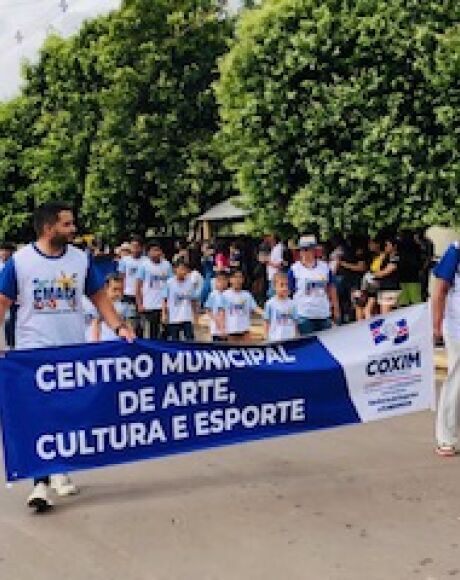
59 241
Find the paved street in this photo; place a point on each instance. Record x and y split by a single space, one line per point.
370 502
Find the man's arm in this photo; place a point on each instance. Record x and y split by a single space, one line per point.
164 312
8 288
440 291
5 305
109 314
334 300
359 267
387 271
95 332
139 297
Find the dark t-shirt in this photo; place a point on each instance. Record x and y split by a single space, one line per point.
410 263
390 282
350 278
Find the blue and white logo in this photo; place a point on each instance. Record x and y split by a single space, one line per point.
396 332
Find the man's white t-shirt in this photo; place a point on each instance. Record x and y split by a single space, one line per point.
154 277
281 316
180 296
276 256
311 289
129 267
49 292
238 306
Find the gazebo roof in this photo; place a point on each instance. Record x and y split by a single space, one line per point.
224 211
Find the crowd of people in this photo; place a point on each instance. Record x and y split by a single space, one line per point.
296 288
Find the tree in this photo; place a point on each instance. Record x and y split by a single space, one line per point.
122 119
16 120
344 115
154 147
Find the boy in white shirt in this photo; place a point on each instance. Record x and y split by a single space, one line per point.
151 283
215 308
100 331
179 300
129 267
238 306
280 313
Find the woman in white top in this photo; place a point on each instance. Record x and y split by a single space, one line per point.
314 294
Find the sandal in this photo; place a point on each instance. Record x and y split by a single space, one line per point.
446 451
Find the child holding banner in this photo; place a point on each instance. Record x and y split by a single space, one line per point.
280 313
100 331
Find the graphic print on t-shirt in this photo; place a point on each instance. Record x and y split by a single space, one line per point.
157 281
281 314
238 306
316 287
56 295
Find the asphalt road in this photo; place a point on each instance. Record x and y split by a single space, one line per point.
367 502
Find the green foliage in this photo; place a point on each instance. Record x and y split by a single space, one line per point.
344 115
16 120
121 120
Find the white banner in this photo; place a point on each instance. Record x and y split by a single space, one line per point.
388 362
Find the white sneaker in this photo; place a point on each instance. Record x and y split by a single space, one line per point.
39 499
62 485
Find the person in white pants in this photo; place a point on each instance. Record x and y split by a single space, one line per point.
446 323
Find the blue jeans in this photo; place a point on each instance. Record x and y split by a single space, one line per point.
310 325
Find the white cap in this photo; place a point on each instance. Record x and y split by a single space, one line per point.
307 242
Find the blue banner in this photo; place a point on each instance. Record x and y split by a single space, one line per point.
93 405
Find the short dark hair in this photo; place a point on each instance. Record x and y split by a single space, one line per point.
222 274
153 244
181 262
113 277
7 246
235 271
283 275
138 239
47 214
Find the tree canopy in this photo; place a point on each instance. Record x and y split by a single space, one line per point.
344 115
120 120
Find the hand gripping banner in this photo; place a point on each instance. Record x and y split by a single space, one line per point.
87 406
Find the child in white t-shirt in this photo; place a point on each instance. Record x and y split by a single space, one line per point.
100 331
179 303
280 313
151 282
215 308
238 306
